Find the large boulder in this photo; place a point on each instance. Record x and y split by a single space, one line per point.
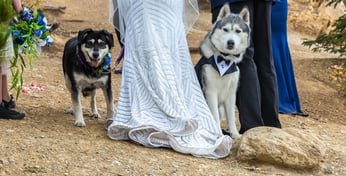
293 148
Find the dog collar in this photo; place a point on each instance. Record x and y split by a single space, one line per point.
104 66
231 67
223 66
82 60
226 55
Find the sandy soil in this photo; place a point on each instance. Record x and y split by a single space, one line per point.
47 143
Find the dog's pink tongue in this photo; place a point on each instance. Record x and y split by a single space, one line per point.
94 63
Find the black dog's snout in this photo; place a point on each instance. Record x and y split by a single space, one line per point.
230 44
95 54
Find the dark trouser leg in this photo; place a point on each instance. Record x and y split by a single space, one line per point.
118 36
263 58
248 95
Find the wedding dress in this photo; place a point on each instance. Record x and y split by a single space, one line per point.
160 103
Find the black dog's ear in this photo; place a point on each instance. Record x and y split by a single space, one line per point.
82 34
109 38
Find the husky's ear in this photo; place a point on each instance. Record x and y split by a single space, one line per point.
224 11
245 15
83 34
206 47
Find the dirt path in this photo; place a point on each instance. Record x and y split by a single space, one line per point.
47 143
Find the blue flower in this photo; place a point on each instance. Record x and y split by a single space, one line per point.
49 40
19 40
41 20
108 59
27 16
15 33
38 33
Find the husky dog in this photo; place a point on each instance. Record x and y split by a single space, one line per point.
222 49
86 68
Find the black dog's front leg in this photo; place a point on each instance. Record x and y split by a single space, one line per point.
77 106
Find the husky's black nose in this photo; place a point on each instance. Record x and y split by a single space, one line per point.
230 44
95 54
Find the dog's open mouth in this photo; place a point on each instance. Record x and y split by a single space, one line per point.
94 62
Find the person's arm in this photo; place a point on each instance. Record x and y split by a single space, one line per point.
17 5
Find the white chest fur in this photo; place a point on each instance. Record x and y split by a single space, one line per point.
217 85
84 81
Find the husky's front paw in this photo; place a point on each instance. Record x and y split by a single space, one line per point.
80 123
95 115
235 135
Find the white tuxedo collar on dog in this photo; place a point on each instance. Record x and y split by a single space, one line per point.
223 65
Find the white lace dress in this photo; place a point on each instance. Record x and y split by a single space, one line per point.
160 102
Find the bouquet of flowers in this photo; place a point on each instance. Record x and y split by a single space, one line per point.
30 31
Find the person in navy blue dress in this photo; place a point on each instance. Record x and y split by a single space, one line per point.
288 95
257 96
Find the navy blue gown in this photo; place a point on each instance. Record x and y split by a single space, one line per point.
288 95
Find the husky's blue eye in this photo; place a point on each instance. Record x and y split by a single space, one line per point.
238 31
225 29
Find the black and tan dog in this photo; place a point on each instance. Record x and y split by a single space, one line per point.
86 68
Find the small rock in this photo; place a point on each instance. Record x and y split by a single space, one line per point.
116 163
